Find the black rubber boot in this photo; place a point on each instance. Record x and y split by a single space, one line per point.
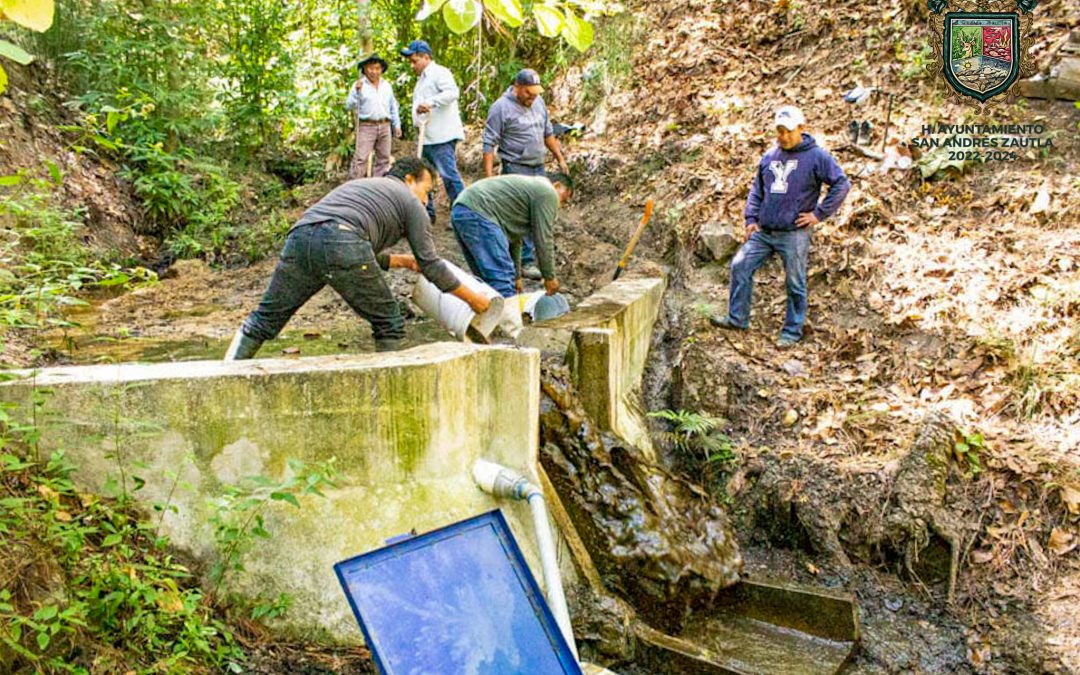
389 344
242 347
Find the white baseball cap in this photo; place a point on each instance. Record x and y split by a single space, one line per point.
789 117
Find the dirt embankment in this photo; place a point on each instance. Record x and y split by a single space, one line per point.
31 114
929 424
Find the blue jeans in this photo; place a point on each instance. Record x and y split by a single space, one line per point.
486 249
794 249
444 157
528 251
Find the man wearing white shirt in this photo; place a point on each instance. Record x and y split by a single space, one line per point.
377 113
436 96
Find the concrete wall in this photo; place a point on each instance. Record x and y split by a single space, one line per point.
404 427
607 339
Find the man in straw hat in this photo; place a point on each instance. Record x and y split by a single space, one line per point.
377 115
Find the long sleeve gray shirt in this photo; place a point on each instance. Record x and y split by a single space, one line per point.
517 131
383 210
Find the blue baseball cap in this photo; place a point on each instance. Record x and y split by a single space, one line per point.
416 47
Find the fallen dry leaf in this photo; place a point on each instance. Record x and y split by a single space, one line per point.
1071 497
1061 542
790 417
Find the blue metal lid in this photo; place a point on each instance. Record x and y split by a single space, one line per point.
456 601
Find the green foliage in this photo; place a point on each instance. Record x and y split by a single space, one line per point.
915 63
697 434
237 518
966 450
87 574
36 15
552 17
44 263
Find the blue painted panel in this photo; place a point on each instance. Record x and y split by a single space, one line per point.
456 601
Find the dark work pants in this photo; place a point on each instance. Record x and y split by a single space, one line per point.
321 254
528 250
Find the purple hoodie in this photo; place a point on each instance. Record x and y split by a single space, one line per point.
788 182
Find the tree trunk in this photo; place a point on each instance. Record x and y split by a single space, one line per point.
367 38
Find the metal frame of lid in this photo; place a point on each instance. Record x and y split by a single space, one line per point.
492 520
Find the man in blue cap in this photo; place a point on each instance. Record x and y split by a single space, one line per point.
783 207
518 125
436 97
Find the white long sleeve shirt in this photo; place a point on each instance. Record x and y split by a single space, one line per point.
375 103
437 88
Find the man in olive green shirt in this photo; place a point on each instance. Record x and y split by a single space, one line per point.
492 217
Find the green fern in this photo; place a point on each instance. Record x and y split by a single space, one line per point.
695 433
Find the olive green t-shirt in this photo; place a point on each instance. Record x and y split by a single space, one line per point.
523 206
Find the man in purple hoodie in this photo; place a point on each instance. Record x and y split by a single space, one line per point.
782 207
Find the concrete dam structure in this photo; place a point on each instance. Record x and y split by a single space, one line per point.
405 429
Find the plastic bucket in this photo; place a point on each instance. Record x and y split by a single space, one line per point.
455 314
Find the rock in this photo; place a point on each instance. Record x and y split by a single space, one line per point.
1063 80
718 241
790 417
1041 202
794 368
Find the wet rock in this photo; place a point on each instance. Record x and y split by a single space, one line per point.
604 628
718 241
661 543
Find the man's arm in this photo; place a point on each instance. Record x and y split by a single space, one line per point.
418 233
555 148
753 202
353 99
446 89
492 136
552 143
395 114
839 186
543 209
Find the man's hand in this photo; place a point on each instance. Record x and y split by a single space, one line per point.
519 285
806 219
423 108
750 230
397 133
563 167
359 85
403 262
551 286
477 302
480 304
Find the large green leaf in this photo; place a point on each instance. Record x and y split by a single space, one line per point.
508 12
549 20
15 53
34 14
577 32
461 15
429 8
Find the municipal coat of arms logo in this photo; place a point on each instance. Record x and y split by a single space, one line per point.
981 48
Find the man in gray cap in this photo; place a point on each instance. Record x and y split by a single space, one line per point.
783 207
518 125
377 113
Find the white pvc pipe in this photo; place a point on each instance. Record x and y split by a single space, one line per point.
550 565
500 481
453 313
